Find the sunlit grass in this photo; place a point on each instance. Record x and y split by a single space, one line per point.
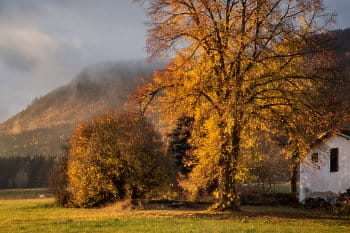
41 215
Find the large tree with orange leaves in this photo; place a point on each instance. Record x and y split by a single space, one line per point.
234 65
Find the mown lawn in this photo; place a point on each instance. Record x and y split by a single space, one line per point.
40 215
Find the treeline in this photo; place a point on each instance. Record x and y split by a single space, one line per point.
119 156
25 172
42 141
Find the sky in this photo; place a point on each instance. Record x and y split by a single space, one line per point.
45 43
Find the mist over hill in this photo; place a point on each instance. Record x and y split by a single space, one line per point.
45 125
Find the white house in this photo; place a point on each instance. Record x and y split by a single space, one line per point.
327 167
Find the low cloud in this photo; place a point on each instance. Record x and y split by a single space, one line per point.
24 48
44 44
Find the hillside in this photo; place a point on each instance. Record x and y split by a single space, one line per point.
44 126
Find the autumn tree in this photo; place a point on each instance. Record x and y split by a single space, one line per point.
113 157
269 165
58 179
298 131
233 65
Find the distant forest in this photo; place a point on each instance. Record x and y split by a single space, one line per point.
25 172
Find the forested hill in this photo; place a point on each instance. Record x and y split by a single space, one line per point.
44 126
343 41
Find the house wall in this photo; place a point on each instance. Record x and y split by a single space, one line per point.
318 178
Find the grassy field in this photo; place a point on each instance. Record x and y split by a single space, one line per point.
40 215
37 192
23 193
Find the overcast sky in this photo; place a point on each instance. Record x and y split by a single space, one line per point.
45 43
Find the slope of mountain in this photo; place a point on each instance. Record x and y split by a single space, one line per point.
44 126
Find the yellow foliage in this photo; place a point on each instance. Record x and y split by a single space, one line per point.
235 65
113 157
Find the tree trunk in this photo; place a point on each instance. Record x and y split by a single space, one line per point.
225 184
228 197
236 140
293 181
294 174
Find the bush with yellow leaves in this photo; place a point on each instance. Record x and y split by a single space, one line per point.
115 157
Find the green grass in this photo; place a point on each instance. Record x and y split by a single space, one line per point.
23 193
277 187
40 215
36 192
282 188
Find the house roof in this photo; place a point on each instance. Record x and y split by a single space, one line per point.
344 133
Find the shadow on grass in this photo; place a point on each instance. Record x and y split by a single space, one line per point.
200 210
274 213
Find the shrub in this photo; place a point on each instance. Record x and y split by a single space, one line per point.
258 198
113 157
315 203
342 205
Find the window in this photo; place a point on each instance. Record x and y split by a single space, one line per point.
314 158
334 160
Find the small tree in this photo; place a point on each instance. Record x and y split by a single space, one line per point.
269 165
180 147
114 157
58 179
299 131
